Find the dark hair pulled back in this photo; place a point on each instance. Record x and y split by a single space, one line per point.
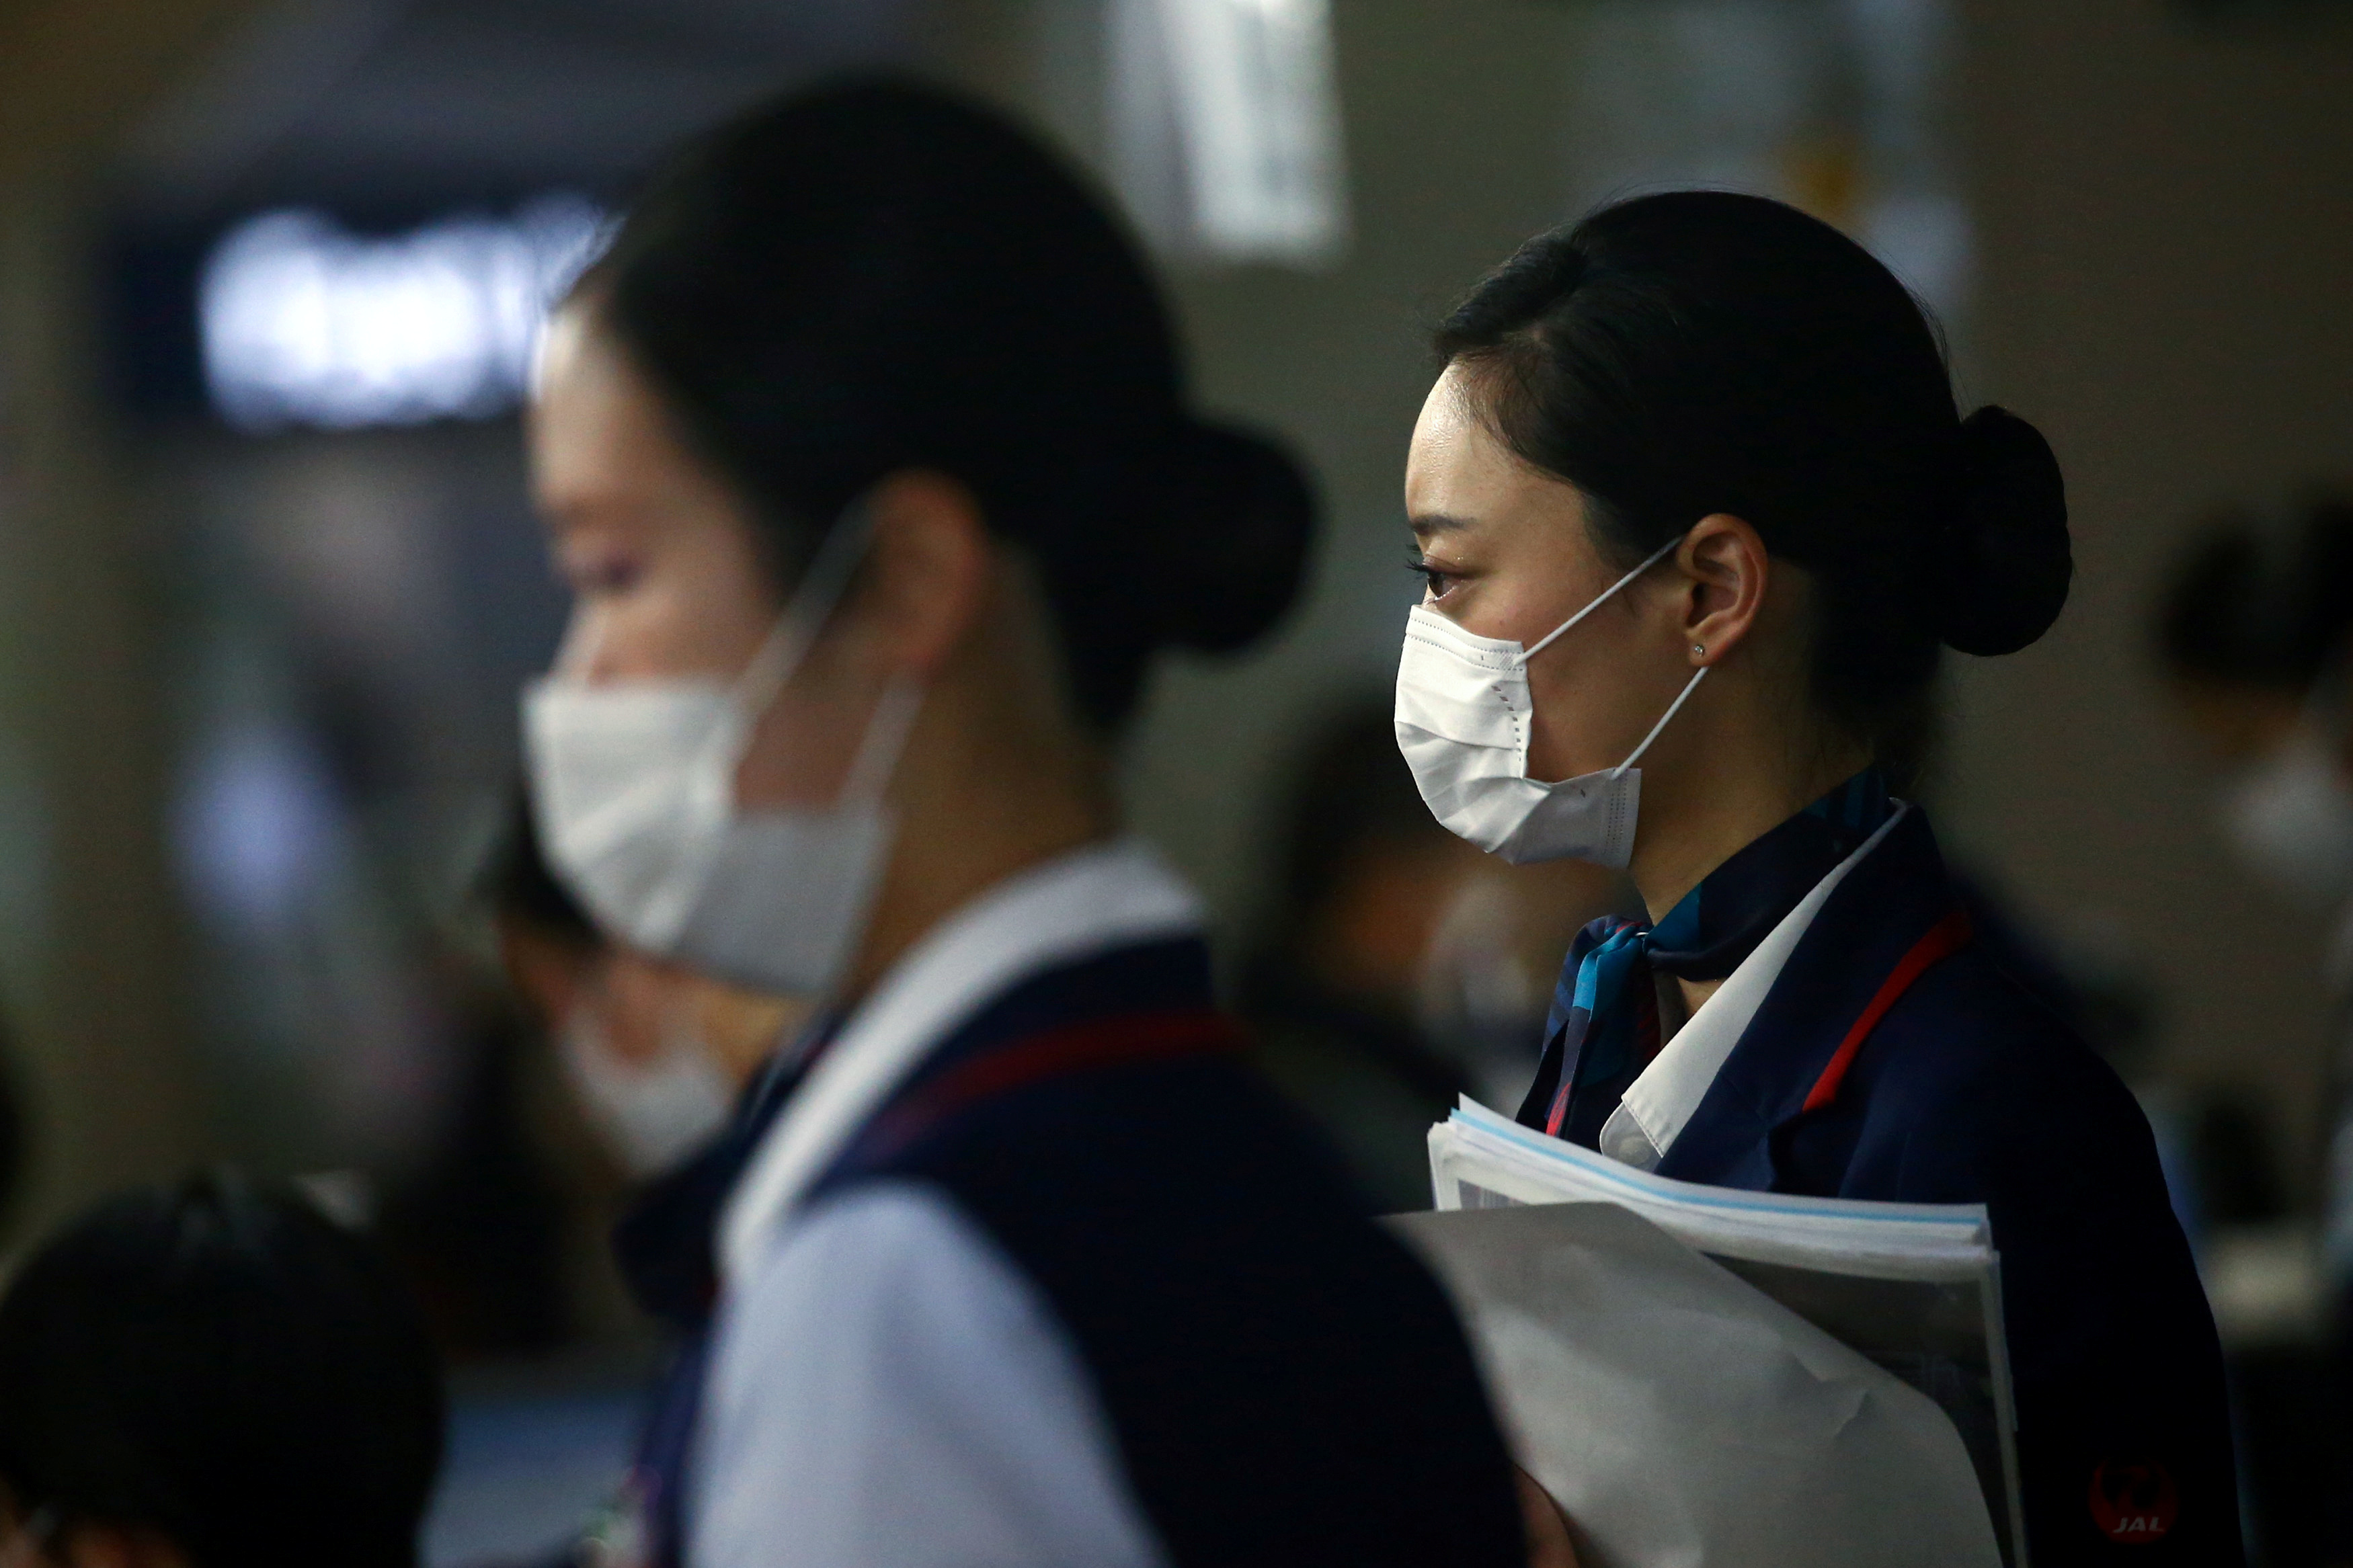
876 276
1700 351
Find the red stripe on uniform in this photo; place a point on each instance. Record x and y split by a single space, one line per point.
1121 1041
1946 937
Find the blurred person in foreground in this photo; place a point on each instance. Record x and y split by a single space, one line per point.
1697 515
1398 968
865 453
2254 630
213 1374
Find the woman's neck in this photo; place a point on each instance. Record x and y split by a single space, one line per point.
998 775
940 868
982 796
1685 833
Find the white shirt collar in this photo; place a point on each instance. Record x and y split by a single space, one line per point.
1659 1102
1091 901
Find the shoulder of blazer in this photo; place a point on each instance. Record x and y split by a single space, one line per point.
1883 1011
1975 1072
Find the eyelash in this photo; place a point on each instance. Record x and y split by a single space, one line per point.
1432 579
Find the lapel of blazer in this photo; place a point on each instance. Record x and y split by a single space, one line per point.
1876 916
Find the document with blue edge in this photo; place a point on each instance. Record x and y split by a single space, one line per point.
1702 1375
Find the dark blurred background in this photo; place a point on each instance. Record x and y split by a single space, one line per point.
269 277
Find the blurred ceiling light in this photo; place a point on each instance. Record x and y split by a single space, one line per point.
1227 123
305 323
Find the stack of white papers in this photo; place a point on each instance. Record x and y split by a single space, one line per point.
1707 1376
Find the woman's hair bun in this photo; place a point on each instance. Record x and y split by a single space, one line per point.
1240 516
2007 576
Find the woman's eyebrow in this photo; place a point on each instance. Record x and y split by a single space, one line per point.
1425 524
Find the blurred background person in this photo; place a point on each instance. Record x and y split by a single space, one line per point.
2254 632
656 1054
475 1216
660 1059
1396 967
213 1374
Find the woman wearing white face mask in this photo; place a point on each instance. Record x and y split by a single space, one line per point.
2255 633
1697 510
656 1053
865 454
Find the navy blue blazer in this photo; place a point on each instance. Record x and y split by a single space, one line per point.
1971 1091
1287 1386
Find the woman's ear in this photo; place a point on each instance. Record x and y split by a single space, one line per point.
931 567
1725 567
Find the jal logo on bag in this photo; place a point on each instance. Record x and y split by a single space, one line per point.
2132 1503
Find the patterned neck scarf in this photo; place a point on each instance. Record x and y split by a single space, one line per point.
1605 1022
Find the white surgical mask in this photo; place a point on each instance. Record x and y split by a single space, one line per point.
634 787
652 1114
2289 817
1465 718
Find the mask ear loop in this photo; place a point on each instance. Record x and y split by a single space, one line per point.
804 615
1660 553
818 594
886 737
1672 709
